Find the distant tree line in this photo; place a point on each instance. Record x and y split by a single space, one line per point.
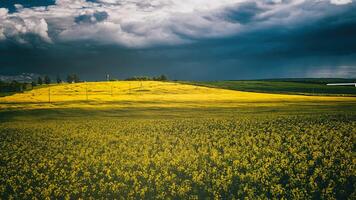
46 80
71 78
147 78
14 86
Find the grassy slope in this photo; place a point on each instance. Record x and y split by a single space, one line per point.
314 80
287 86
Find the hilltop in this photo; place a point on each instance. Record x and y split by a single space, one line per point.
161 96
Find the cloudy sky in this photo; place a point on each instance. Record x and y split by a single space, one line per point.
185 39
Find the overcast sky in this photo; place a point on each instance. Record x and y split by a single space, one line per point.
185 39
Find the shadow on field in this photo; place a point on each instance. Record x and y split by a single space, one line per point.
172 113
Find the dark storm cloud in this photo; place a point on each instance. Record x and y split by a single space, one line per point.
10 4
253 39
330 36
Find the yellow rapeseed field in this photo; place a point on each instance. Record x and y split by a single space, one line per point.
71 141
126 94
253 157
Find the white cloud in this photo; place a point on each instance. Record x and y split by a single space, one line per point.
145 23
141 23
2 35
39 27
18 6
3 12
340 2
17 25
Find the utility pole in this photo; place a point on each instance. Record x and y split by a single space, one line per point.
86 91
49 95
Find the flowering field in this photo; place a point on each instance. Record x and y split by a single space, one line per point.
179 142
267 157
154 94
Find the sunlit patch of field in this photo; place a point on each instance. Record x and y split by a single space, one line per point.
148 94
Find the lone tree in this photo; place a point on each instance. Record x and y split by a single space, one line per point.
69 79
72 78
47 80
59 80
163 77
39 81
76 78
